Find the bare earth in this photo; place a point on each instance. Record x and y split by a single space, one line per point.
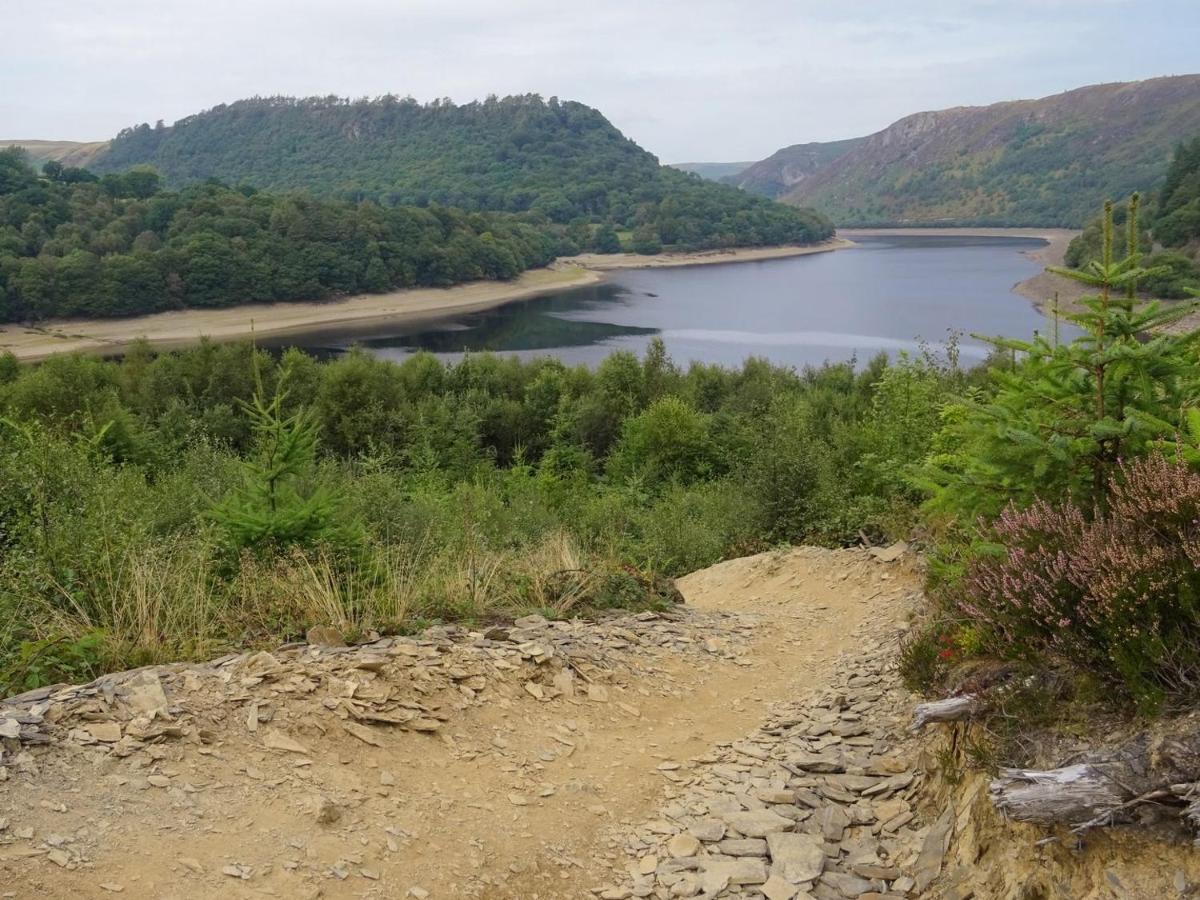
531 764
175 329
608 261
406 307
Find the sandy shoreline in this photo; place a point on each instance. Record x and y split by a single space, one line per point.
180 328
603 262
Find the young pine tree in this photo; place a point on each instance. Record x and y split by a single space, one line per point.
271 509
1062 417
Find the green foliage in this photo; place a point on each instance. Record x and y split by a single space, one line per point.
550 161
669 442
121 247
1060 419
371 495
53 660
1177 220
271 509
1032 162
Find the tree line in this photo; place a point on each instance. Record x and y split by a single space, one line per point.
74 244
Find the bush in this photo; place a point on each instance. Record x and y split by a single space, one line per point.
1118 595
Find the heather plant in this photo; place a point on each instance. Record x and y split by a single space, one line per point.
1117 595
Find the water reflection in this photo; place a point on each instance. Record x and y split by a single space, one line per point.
887 295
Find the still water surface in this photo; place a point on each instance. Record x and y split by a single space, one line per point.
889 294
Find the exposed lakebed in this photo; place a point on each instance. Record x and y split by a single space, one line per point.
888 294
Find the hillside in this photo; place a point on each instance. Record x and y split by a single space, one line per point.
713 171
69 153
785 169
1025 162
562 161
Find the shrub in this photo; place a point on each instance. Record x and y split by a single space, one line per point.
1118 595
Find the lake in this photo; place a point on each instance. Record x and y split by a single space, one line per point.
888 294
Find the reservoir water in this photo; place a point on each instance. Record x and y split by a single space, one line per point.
888 294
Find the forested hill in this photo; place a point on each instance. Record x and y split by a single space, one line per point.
73 244
561 161
1024 162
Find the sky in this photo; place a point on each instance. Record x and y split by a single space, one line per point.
689 80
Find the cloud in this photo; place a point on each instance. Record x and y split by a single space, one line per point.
688 79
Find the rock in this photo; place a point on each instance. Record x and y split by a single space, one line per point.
325 636
877 873
708 830
274 739
742 847
890 553
533 689
796 858
776 888
9 728
597 693
849 886
564 683
60 858
811 762
144 693
159 781
328 812
418 892
682 846
757 822
648 864
833 821
733 872
933 850
105 732
364 734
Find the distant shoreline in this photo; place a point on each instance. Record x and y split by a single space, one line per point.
1041 288
411 306
606 262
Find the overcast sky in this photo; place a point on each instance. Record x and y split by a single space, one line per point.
687 79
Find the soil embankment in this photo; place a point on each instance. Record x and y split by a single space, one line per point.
509 763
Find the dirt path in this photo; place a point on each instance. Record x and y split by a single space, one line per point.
495 765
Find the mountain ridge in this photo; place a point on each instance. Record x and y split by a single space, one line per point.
1040 162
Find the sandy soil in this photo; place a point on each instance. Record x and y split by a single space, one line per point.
174 329
494 795
604 262
407 307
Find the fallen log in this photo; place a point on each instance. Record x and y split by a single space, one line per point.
1072 794
952 709
1106 787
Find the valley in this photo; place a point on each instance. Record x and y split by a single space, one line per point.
446 498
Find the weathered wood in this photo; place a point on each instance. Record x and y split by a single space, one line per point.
1070 795
952 709
1160 766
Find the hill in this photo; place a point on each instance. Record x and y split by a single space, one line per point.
1026 162
562 162
73 244
69 153
713 171
783 170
